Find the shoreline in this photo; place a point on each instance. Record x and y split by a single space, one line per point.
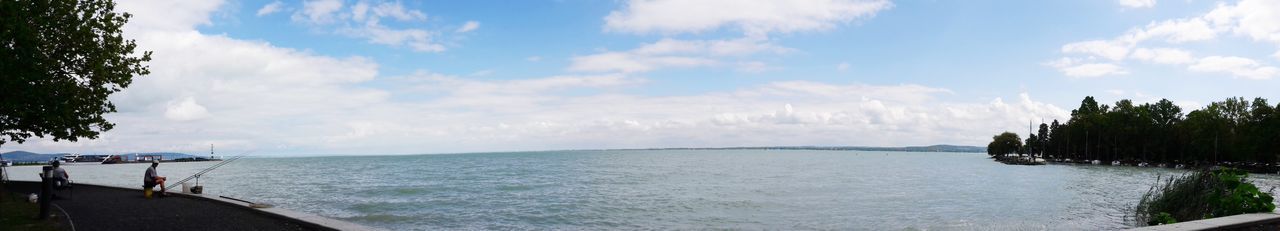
1251 167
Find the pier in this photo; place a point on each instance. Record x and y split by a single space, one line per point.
1249 221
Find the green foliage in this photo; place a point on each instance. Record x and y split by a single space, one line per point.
1202 194
1162 218
60 60
1004 143
1232 130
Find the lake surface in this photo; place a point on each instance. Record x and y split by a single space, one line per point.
675 189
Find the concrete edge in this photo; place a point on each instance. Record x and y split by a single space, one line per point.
1227 222
316 221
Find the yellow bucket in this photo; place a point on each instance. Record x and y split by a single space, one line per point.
146 192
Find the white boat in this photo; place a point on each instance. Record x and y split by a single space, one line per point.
1095 162
1115 163
1143 164
69 158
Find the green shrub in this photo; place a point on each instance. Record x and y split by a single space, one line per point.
1162 218
1200 195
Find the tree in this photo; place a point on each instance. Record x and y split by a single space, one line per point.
60 62
1057 140
1004 144
1226 132
1042 140
1261 133
1165 116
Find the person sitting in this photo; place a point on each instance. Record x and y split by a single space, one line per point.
60 177
151 179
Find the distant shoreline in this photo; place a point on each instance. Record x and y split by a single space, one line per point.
933 148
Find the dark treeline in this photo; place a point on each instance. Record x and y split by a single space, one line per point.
1233 130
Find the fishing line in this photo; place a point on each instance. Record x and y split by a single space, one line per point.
210 168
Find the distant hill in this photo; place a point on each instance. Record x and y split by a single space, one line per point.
931 148
25 156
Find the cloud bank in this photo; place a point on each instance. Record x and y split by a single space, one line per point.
1256 20
244 95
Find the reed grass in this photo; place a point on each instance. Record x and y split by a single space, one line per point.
1201 194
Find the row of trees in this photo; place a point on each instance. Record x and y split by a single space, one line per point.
1235 129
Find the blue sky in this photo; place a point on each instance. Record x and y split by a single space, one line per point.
402 77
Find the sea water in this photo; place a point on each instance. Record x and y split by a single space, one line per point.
674 189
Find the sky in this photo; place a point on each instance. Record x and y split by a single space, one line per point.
373 77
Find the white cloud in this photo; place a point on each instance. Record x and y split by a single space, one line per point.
752 17
270 8
186 110
318 11
1236 66
462 87
1173 31
534 58
364 20
248 85
1258 20
169 15
278 100
631 62
842 67
416 39
1137 3
730 47
1163 55
468 27
1106 49
1073 68
366 12
530 114
755 19
680 54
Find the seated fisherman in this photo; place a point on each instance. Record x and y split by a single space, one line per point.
151 179
60 176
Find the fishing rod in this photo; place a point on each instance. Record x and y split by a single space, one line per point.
206 170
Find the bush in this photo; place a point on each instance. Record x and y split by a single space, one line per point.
1200 195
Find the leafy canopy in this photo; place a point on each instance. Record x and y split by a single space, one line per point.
60 60
1004 143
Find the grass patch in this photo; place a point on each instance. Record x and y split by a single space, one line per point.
1201 195
18 214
